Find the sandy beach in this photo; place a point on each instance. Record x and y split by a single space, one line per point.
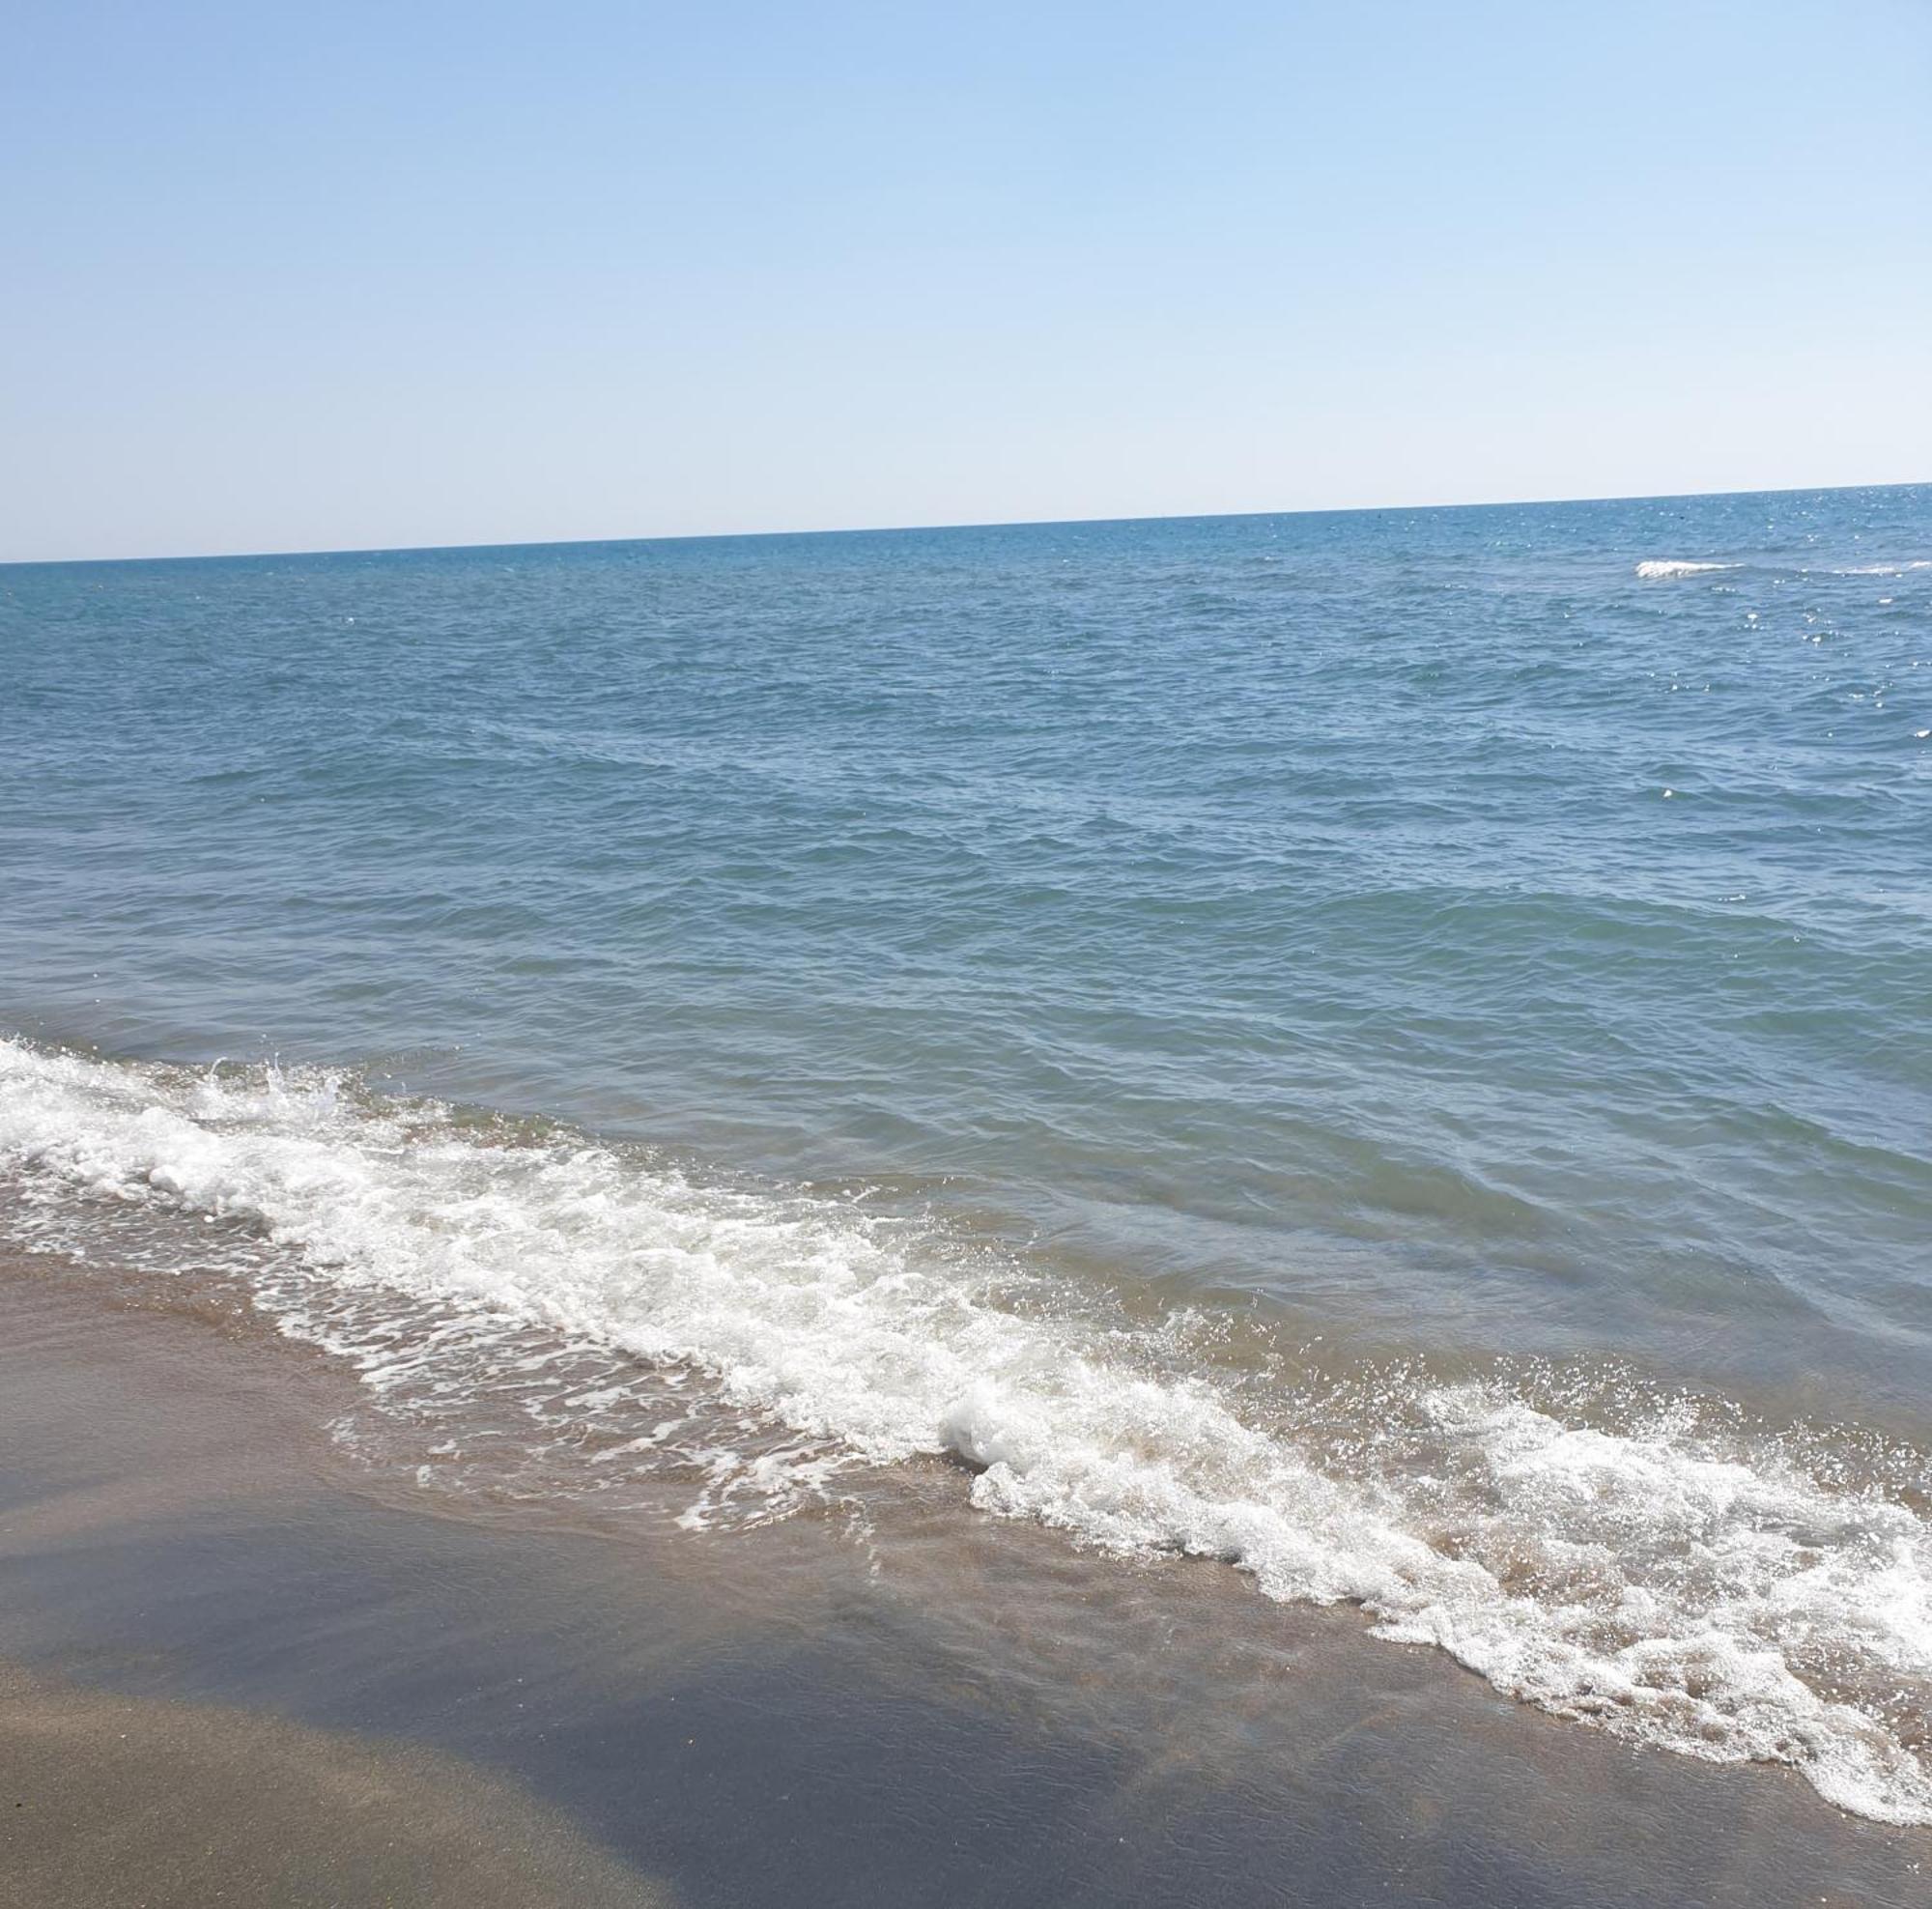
245 1667
133 1801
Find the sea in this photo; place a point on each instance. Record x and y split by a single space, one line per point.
1385 1057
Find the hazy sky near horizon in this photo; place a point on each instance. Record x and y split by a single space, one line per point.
285 278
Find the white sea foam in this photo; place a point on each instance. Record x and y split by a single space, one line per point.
1727 1596
1658 569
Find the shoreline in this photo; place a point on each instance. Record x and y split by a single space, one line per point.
770 1716
585 1333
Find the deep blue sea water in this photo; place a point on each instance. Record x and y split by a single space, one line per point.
1493 945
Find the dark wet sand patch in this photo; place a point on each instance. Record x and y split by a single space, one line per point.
987 1718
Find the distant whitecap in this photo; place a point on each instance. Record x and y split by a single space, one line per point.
1659 568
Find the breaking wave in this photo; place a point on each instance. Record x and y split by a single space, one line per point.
1657 1566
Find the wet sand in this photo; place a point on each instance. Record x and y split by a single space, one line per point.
112 1800
247 1668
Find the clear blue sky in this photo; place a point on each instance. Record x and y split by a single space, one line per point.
294 277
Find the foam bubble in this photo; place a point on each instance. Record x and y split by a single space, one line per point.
1641 1564
1658 569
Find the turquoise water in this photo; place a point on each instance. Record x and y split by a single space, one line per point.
1464 937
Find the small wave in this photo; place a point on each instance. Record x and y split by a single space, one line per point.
1657 569
1884 569
1651 1568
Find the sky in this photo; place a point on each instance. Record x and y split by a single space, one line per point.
279 277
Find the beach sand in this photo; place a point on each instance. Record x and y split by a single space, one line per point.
113 1800
246 1668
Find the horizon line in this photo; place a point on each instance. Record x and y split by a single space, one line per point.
919 529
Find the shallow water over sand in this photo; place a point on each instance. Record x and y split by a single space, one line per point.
765 1716
546 1319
